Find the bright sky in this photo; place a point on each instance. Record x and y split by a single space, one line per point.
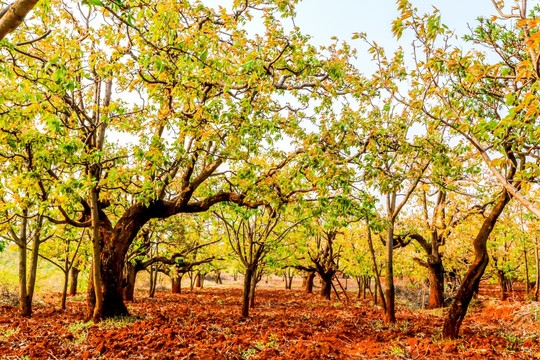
374 17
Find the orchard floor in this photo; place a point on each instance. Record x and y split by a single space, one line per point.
286 324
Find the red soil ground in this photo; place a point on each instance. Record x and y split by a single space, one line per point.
206 324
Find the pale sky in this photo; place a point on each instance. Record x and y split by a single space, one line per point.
323 18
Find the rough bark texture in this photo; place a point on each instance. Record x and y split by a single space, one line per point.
436 284
472 278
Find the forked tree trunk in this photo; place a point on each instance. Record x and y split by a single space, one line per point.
288 281
309 282
436 284
74 279
503 284
472 278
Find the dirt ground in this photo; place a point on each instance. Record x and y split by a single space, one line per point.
286 324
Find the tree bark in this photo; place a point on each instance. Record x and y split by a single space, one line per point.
472 278
309 282
64 289
245 296
390 310
252 287
503 284
129 281
176 286
527 284
537 259
436 284
378 285
74 279
24 306
326 286
111 277
14 15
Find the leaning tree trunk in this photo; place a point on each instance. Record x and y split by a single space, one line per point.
73 281
436 284
472 278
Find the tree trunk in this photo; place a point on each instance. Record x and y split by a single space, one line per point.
65 289
247 288
74 278
154 273
24 306
360 282
378 286
176 287
537 259
309 282
97 275
436 284
528 285
326 286
130 278
253 285
503 284
111 282
390 311
472 278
